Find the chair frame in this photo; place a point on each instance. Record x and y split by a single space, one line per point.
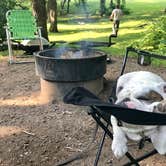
103 122
99 118
9 41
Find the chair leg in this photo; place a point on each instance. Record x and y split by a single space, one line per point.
106 130
153 152
9 46
100 148
40 38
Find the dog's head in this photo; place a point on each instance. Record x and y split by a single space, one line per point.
151 94
142 95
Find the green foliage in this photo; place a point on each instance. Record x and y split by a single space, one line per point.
5 5
125 10
155 38
109 9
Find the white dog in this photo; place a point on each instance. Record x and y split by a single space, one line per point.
144 91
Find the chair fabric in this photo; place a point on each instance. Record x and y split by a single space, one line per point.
21 25
83 97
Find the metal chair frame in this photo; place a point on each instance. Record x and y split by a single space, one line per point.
104 121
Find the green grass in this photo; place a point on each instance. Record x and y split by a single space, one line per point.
100 28
100 31
74 28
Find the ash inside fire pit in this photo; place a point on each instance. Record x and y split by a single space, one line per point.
64 68
71 53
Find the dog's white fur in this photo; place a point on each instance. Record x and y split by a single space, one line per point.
131 86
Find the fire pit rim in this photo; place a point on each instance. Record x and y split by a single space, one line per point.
67 59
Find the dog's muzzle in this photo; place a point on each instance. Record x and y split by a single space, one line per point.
123 103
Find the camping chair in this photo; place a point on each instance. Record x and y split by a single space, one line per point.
102 111
21 25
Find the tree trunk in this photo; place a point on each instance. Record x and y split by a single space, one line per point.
39 11
102 7
52 15
68 6
111 4
124 2
63 4
84 7
118 2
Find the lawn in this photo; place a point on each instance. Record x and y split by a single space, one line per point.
74 27
98 29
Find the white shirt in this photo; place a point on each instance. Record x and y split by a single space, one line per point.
116 14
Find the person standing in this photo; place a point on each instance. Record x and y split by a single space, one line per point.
115 17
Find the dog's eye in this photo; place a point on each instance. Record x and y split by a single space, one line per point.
126 99
152 96
119 89
143 98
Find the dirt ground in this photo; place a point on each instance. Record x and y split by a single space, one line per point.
34 133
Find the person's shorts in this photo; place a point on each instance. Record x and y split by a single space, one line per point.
117 22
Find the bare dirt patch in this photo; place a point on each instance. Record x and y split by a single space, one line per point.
33 133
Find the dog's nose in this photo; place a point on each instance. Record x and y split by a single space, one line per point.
123 102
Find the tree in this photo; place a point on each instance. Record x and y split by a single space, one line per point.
84 7
63 2
39 10
5 5
111 4
118 2
102 7
52 15
124 2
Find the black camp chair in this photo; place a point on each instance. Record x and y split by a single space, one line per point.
101 111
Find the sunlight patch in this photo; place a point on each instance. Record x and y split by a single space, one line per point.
9 130
32 100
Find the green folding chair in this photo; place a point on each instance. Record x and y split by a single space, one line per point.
21 25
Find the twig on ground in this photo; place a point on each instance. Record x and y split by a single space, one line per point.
26 132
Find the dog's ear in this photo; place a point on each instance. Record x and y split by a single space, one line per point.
161 88
164 88
153 96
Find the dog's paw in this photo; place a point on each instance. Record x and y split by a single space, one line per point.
158 139
119 149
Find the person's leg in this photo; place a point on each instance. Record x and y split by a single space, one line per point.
114 27
117 26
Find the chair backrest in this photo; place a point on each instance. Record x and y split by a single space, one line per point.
21 24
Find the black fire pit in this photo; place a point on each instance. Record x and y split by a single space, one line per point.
64 68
